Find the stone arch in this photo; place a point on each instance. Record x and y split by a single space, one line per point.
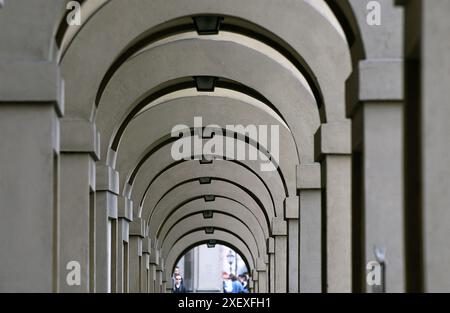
139 135
297 37
190 190
151 169
222 206
299 110
162 198
199 237
194 171
226 223
87 53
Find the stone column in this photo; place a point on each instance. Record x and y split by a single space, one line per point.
435 152
333 149
152 276
262 269
136 235
277 248
263 281
251 286
291 212
254 279
427 110
271 267
377 112
145 265
107 182
154 263
279 231
114 240
162 277
159 277
125 216
135 250
79 151
30 104
309 189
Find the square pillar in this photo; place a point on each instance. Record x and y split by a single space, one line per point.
333 150
159 277
30 104
135 245
310 194
435 150
279 231
428 155
291 212
145 265
254 279
79 151
136 236
154 263
152 277
379 122
271 266
262 270
125 217
107 190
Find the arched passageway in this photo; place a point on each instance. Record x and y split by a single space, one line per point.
206 268
157 126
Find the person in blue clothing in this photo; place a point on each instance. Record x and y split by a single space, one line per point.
237 286
244 282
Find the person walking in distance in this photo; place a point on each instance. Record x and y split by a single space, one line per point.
237 286
178 287
227 283
176 272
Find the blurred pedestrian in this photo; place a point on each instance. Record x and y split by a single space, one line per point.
237 286
227 283
178 286
176 272
244 282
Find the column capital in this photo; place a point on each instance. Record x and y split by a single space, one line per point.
154 256
125 208
139 243
291 208
255 275
79 136
137 227
110 201
125 234
146 245
32 82
375 80
161 265
270 245
107 179
333 138
279 227
160 268
309 176
260 265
